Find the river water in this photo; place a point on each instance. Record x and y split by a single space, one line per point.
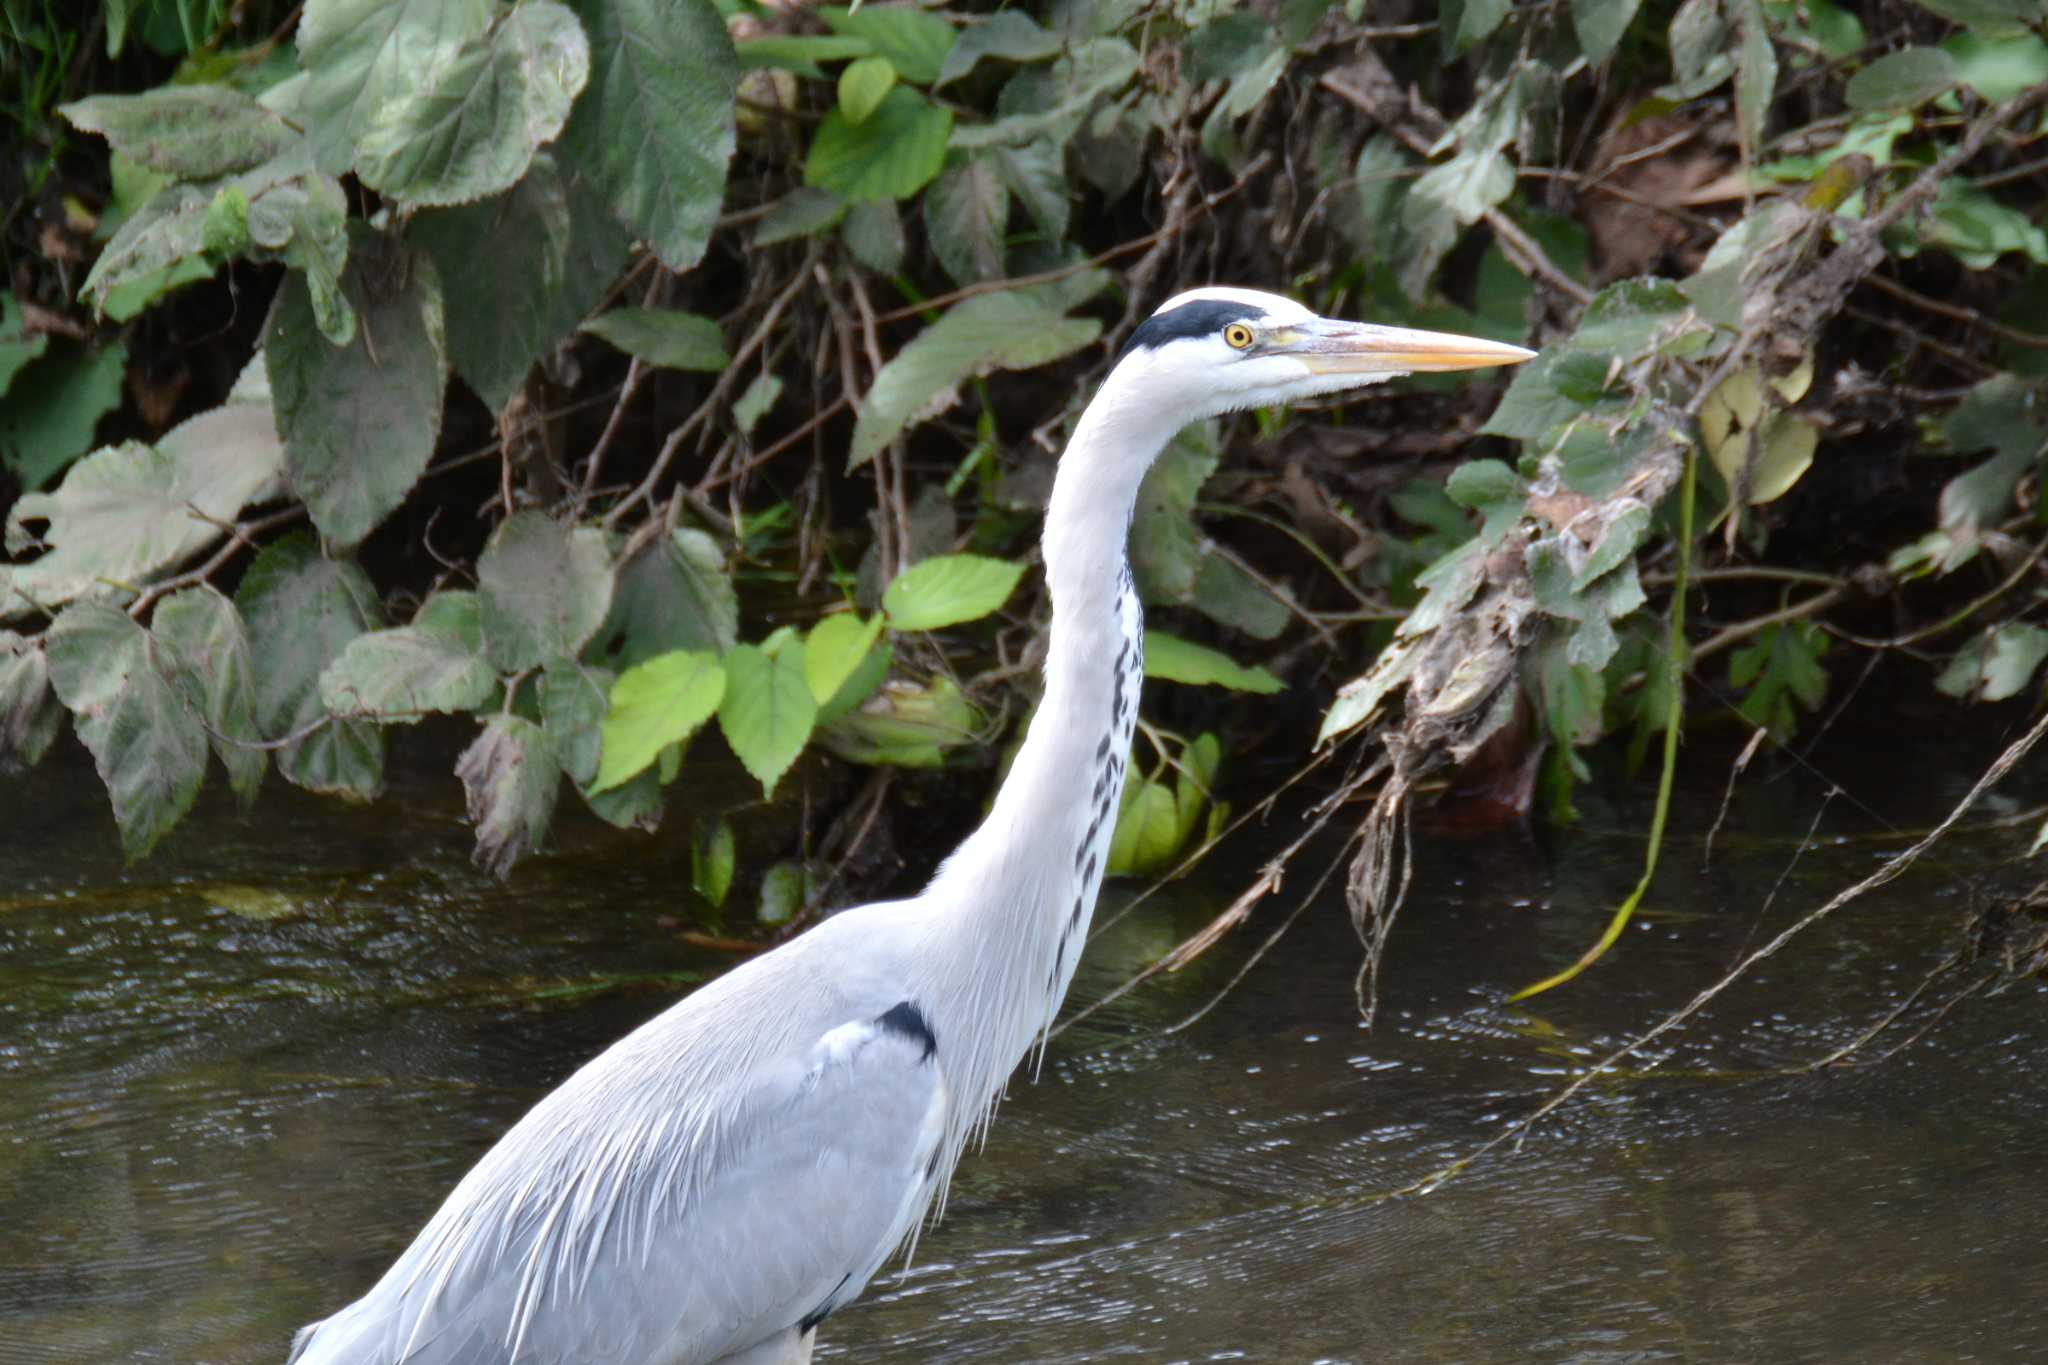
235 1079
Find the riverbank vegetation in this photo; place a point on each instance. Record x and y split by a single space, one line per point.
634 377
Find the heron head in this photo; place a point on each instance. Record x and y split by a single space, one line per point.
1212 351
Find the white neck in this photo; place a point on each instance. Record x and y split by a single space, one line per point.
1009 911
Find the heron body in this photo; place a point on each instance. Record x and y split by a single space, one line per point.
735 1170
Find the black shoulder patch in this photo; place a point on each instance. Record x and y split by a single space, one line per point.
907 1019
1203 317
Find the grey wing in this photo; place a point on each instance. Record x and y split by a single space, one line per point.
609 1226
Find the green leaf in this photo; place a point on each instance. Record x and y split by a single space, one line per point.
1007 35
49 416
663 337
121 689
1036 173
902 725
194 132
803 212
219 679
1756 74
800 53
1997 665
29 713
546 589
434 664
1783 663
475 131
946 590
1994 18
873 232
1600 24
129 512
1015 329
712 859
1469 22
1491 489
654 129
1166 545
767 713
570 249
1147 830
573 700
17 347
675 594
1054 101
966 214
1904 79
367 60
834 651
359 422
302 610
1555 387
892 154
654 705
757 402
915 42
511 779
1998 68
784 889
862 85
1181 661
1616 545
1630 317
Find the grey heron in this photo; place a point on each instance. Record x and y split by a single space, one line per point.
723 1178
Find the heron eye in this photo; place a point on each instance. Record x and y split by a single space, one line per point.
1237 336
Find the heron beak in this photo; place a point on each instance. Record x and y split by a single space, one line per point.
1362 348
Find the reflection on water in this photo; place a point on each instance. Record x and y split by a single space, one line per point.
235 1080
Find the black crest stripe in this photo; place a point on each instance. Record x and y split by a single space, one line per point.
1202 317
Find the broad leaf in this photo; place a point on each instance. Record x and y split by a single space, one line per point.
1756 75
208 634
862 86
1555 387
1599 25
915 41
1996 665
194 132
902 725
475 132
1902 80
675 594
966 214
127 513
368 60
1182 661
1147 829
1167 547
654 128
712 859
511 779
891 154
804 212
1036 173
1012 330
834 651
767 713
663 337
360 421
124 696
799 52
546 588
1998 68
873 232
949 589
302 609
570 249
573 698
29 713
654 705
50 414
1008 35
401 674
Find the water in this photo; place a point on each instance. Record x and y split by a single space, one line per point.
236 1079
